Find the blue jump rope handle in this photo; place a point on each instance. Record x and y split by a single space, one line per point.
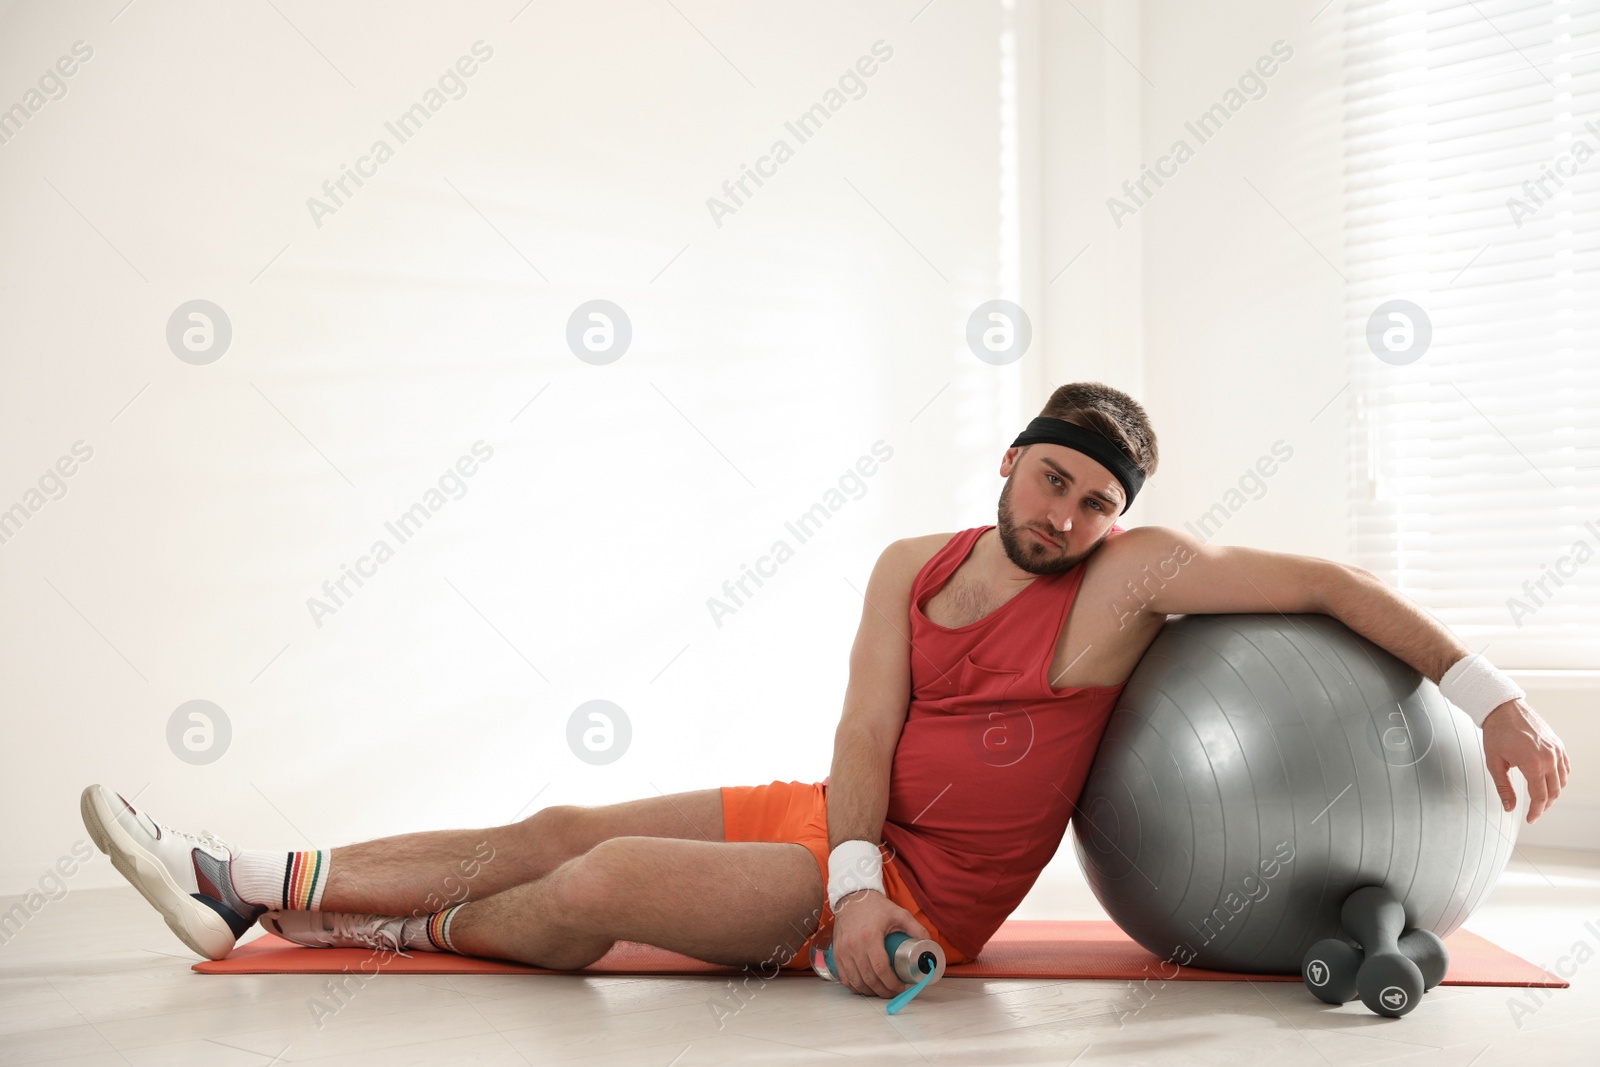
890 943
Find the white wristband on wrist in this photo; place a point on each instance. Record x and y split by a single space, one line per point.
1477 687
853 865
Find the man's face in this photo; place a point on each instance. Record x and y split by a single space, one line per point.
1059 493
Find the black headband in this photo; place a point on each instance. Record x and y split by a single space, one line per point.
1047 431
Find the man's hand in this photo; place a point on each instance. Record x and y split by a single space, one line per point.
1514 735
863 919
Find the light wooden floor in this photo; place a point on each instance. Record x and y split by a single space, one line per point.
96 978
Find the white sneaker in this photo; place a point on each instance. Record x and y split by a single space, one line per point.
334 929
184 876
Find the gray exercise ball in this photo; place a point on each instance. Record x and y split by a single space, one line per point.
1257 769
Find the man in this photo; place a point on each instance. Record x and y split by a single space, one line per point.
983 672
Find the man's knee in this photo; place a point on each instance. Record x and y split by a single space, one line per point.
593 884
559 826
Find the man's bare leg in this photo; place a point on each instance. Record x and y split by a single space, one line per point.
734 903
414 874
210 893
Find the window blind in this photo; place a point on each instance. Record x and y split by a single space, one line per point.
1472 151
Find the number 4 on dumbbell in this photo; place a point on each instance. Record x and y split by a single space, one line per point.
1395 969
1330 966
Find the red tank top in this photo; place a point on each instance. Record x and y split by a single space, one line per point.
991 759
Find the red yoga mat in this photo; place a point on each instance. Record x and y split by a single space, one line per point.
1021 948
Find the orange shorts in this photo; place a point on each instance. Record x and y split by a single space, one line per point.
798 812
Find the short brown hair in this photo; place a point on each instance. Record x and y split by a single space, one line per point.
1109 412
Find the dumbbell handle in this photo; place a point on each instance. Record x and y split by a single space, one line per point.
1374 918
1376 921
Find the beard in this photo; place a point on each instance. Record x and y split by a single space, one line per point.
1027 551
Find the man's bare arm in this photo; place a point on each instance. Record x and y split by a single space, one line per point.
875 704
1178 573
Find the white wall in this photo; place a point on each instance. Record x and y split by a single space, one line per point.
1090 274
372 351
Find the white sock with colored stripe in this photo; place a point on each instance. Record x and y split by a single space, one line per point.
431 933
282 881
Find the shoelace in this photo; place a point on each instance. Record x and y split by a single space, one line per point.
204 837
379 936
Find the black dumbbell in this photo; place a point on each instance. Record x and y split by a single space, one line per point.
1330 966
1427 951
1329 969
1388 982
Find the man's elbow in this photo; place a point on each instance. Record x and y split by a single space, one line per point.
1361 572
1338 578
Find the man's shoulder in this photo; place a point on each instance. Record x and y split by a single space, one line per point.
1130 559
1139 544
1114 577
924 545
907 556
